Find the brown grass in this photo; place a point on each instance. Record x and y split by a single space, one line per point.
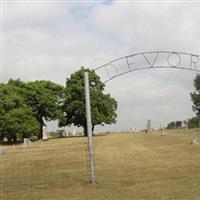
128 166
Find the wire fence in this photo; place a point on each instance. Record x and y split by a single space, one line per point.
42 167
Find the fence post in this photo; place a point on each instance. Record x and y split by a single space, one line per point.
89 130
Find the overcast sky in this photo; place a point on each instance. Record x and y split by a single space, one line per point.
52 39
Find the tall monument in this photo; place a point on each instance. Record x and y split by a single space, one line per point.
148 125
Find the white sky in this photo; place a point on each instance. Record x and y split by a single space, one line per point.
51 40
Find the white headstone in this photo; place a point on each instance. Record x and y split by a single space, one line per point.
74 131
44 133
163 132
67 132
134 129
194 138
27 143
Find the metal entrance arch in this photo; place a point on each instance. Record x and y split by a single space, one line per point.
126 64
148 60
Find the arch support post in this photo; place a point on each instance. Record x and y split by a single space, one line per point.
89 130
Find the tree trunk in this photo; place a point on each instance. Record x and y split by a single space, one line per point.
85 130
14 139
41 128
93 129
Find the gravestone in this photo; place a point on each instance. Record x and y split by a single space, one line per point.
163 132
2 151
67 133
194 138
27 143
44 133
148 125
134 129
74 131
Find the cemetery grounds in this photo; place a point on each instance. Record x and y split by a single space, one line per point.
128 166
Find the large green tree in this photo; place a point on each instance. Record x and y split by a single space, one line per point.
103 106
45 99
20 123
17 120
195 96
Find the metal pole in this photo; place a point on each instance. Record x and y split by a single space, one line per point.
89 130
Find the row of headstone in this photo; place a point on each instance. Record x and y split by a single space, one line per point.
134 129
70 131
27 141
148 129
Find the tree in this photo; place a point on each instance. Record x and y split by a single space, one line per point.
195 96
194 122
179 124
17 83
16 119
45 98
20 123
175 125
103 106
171 125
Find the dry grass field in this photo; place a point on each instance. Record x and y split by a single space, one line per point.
128 166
